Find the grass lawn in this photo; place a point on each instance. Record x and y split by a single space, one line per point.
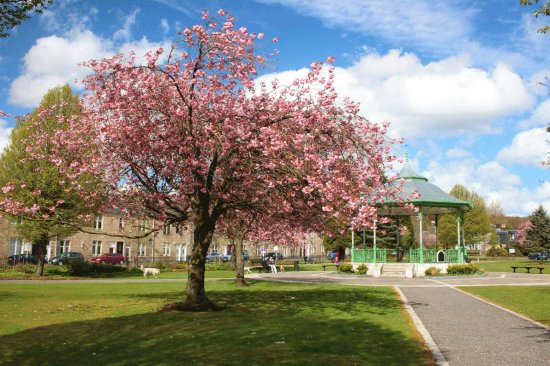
531 301
266 323
504 265
62 274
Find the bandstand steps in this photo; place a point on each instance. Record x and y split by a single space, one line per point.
395 269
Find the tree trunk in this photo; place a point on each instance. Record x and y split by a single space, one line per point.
239 263
42 244
196 299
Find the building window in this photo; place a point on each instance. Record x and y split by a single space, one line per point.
64 246
98 223
142 226
166 230
166 249
96 247
121 224
141 250
14 246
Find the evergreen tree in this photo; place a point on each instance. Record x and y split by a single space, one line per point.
538 234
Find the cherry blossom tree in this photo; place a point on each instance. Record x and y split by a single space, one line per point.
194 139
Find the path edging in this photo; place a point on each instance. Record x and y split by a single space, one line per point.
438 356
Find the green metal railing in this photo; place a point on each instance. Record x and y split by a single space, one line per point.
367 255
430 255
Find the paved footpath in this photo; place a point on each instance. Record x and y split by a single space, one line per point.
465 330
469 331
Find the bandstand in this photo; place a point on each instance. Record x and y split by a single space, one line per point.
432 202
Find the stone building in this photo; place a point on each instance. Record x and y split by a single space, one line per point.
172 244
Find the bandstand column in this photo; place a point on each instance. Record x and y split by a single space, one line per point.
463 238
374 243
458 237
421 254
352 245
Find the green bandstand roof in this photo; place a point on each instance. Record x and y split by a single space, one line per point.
432 201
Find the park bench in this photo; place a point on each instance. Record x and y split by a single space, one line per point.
330 265
260 265
528 268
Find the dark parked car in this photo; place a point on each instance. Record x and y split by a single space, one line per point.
541 256
65 258
112 258
278 256
22 258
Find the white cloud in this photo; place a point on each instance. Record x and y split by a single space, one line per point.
125 33
55 60
433 26
458 153
528 147
492 181
539 117
165 26
446 98
5 132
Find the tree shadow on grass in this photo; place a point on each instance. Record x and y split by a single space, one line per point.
327 326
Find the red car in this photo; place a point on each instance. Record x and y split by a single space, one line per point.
112 258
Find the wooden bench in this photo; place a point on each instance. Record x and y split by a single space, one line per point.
331 265
260 265
528 268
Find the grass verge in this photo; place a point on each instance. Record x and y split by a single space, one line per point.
531 301
266 323
504 266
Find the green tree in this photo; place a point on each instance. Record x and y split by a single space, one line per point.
38 183
544 10
477 224
13 12
538 234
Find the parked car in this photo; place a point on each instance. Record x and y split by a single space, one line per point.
213 256
112 258
65 258
278 256
22 258
540 256
227 257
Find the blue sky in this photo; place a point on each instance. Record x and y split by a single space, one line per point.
458 79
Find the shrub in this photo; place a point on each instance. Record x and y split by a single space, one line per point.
20 267
497 252
54 269
362 269
179 266
78 268
158 265
82 268
346 268
432 271
462 269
